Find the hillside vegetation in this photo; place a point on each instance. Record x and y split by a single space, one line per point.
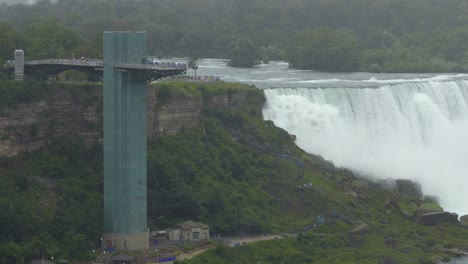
238 174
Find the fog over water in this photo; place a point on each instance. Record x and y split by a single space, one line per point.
412 126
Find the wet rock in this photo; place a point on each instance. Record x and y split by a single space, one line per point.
388 184
409 188
464 221
434 218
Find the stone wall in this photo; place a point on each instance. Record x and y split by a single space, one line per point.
126 241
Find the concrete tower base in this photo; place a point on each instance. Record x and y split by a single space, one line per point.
126 241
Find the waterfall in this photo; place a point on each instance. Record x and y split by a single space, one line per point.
411 130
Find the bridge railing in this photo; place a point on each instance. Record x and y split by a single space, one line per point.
74 62
159 66
100 64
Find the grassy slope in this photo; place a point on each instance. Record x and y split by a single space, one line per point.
232 176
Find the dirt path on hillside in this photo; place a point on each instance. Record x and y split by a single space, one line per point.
193 253
239 241
245 240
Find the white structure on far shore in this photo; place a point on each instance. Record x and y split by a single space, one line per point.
19 65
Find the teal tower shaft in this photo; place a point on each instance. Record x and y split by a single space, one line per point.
125 172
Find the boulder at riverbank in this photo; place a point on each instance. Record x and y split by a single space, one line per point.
434 218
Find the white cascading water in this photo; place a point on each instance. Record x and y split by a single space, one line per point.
412 130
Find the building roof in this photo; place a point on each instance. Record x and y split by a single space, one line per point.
190 224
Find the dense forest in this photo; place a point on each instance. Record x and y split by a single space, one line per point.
326 35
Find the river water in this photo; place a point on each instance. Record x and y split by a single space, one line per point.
412 126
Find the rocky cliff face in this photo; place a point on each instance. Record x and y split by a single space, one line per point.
31 126
78 111
174 116
183 113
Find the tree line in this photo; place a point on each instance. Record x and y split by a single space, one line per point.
327 35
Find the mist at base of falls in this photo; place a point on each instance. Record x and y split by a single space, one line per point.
412 130
411 126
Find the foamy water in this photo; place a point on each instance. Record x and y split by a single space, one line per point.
382 125
414 131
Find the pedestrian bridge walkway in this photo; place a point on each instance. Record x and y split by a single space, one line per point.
149 70
100 64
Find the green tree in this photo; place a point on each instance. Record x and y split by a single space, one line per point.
326 49
7 41
223 44
48 38
193 64
244 54
378 37
11 252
